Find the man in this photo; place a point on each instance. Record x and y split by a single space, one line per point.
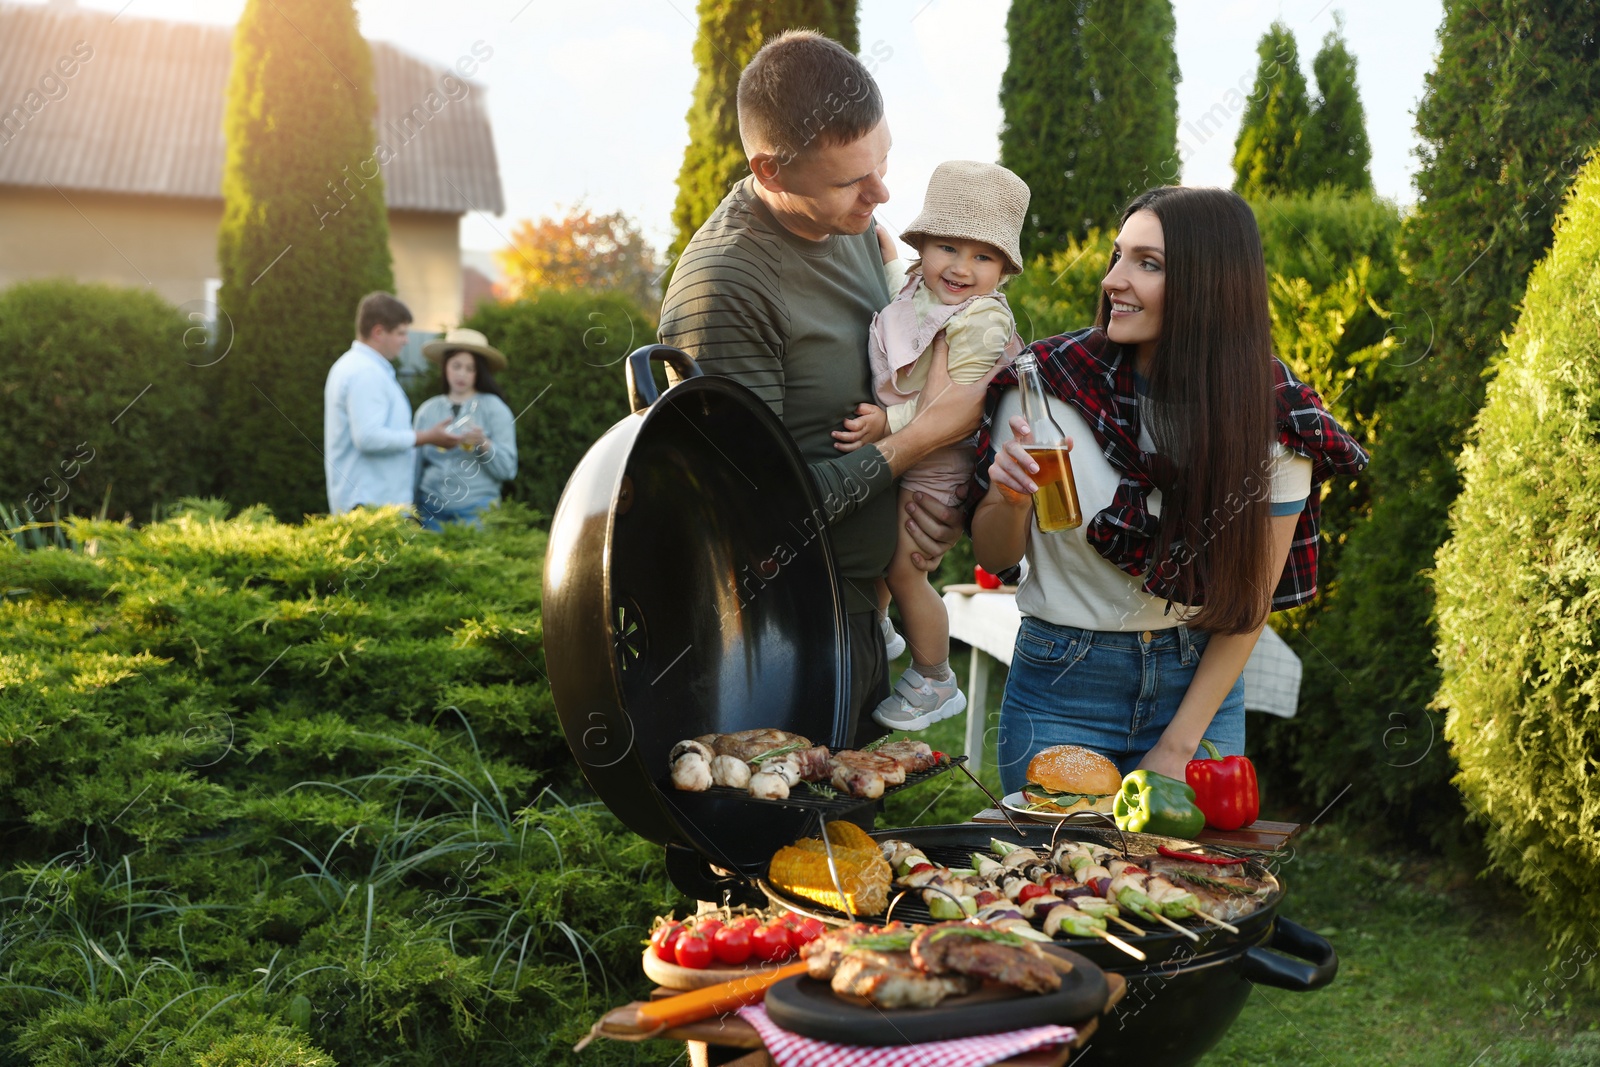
367 439
777 290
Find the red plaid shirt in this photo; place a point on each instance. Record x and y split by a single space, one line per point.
1085 369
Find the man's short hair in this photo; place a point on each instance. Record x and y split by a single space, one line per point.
380 309
804 91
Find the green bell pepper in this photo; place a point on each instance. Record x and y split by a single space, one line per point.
1152 803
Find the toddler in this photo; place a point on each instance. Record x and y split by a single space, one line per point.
967 237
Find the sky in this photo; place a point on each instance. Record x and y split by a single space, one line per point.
588 99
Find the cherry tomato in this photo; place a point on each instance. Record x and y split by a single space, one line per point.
919 867
744 922
693 951
731 944
939 757
665 940
1029 891
808 931
707 927
771 943
985 898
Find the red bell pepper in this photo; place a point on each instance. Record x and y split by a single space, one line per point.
1224 788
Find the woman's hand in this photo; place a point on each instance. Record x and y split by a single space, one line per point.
1013 469
870 425
1163 759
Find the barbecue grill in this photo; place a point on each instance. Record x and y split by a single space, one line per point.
690 588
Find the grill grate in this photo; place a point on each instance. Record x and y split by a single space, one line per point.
804 798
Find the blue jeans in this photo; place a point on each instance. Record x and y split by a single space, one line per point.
433 515
1110 691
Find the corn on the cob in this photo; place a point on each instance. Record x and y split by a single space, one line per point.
802 869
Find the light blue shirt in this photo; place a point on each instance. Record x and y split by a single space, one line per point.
367 439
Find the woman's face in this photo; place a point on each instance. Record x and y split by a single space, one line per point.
1136 283
461 372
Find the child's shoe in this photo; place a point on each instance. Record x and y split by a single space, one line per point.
919 702
893 643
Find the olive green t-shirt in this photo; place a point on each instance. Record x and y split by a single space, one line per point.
788 319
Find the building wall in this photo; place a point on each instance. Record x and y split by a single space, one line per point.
171 245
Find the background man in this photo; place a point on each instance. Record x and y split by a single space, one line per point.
367 439
777 290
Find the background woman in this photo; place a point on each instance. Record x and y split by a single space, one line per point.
1197 455
459 484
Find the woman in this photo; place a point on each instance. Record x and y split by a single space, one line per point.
1196 463
458 485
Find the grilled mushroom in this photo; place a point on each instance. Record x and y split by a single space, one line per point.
730 770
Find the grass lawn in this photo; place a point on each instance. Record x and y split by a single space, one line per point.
1437 967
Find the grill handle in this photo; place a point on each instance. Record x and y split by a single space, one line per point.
1310 961
642 390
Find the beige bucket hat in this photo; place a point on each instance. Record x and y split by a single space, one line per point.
975 201
462 339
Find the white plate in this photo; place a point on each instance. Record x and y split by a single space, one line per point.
1015 802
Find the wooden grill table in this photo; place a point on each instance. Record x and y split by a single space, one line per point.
1259 836
729 1041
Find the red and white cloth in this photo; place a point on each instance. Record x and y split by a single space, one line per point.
792 1050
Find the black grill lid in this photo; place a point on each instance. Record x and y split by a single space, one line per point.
689 588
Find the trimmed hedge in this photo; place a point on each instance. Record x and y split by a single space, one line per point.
1518 589
101 399
565 383
298 795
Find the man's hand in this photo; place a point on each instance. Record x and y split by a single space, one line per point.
886 244
437 434
869 426
934 529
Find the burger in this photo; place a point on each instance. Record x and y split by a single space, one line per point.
1066 778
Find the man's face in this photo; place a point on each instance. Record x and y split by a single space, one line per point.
833 189
387 342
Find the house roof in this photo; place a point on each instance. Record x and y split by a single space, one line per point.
142 112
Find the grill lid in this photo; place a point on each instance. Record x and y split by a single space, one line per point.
689 588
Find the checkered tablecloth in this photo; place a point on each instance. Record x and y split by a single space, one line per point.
792 1050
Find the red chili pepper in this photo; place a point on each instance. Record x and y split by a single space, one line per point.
1225 788
1195 857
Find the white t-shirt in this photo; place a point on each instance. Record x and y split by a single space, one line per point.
1067 582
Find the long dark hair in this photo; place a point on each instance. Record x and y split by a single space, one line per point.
1213 413
483 382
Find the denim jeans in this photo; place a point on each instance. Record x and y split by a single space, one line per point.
434 515
1110 691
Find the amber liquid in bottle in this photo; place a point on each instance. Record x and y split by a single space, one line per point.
1055 505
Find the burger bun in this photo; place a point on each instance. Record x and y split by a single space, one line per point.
1068 778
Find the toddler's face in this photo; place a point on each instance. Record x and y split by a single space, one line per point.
955 269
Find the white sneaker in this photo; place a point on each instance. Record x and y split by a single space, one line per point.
919 702
893 644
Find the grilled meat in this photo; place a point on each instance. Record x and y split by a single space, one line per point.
748 744
822 956
965 948
857 781
913 756
816 764
890 980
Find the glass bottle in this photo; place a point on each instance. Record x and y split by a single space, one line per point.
1055 505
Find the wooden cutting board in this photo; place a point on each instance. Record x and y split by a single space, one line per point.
671 976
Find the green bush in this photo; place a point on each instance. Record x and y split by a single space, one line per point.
101 400
565 383
1518 590
298 795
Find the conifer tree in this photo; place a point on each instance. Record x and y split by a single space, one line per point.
304 236
731 33
1505 122
1267 153
1336 151
1091 111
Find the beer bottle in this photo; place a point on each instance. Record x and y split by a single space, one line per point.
1055 505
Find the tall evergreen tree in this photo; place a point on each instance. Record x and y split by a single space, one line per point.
731 33
304 236
1507 117
1267 154
1090 96
1336 151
